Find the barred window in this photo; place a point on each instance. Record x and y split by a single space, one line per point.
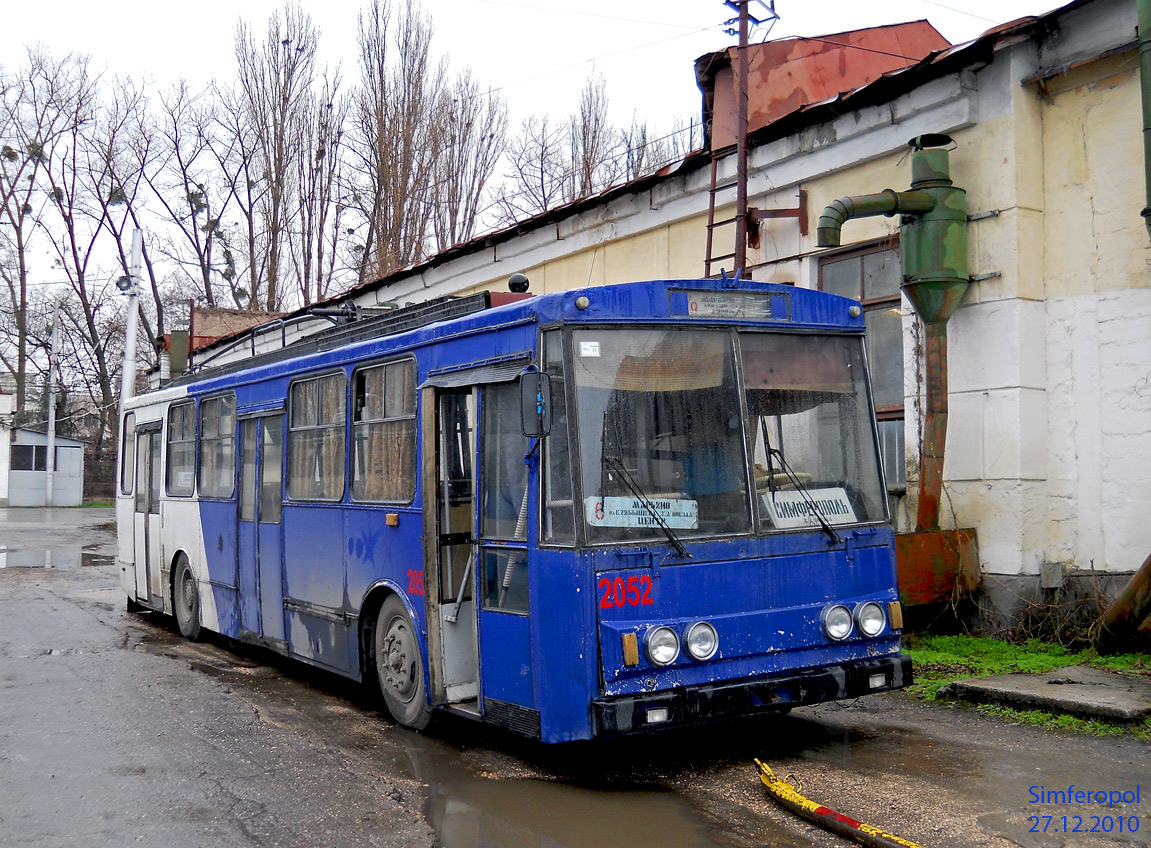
182 449
217 446
384 433
316 439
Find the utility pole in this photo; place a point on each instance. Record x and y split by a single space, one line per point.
743 71
740 260
50 460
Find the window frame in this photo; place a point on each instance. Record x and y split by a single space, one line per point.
292 429
128 454
353 422
891 243
202 441
170 490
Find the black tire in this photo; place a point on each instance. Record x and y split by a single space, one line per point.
399 666
186 600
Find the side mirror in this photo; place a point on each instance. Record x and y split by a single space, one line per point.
536 403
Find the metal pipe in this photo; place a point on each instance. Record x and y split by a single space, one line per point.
887 202
1144 17
934 427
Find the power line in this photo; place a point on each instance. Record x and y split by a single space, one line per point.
584 14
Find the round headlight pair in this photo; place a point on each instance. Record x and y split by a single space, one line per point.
662 643
837 620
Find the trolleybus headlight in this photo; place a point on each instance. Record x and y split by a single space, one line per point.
662 645
869 618
836 621
702 641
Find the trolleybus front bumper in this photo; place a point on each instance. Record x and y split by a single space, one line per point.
627 713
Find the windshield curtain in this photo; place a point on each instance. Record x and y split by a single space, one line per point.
809 424
661 440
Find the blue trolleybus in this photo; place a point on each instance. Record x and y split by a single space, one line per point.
571 515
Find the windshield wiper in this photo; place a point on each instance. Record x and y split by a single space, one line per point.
643 498
805 494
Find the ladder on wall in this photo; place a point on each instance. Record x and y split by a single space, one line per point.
754 216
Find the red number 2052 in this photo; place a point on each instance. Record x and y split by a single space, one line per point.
635 592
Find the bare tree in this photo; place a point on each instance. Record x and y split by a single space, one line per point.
319 210
537 160
473 129
395 144
36 107
234 149
274 79
76 172
594 144
188 184
646 151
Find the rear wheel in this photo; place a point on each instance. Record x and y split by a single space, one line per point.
186 600
400 667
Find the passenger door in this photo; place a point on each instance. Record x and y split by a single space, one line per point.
450 449
260 508
146 516
504 623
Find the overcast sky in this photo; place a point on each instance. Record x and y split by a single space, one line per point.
537 52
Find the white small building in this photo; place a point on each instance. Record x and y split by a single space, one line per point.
27 478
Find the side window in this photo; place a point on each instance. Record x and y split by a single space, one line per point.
558 516
217 446
182 449
384 432
503 475
503 498
316 439
128 453
871 276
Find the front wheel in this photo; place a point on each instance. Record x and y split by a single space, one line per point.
186 600
399 666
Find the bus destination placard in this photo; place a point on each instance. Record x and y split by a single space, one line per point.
633 512
728 305
791 509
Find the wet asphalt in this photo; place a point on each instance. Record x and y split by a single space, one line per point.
115 731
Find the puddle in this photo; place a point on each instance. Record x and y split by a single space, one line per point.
483 788
469 810
72 557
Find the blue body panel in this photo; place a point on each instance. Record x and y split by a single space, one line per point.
763 594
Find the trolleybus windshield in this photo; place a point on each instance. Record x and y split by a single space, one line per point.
676 440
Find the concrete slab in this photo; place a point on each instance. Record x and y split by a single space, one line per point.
1078 690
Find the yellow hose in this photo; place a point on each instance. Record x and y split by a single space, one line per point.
788 797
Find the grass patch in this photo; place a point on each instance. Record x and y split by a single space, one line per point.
941 659
101 504
1060 721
